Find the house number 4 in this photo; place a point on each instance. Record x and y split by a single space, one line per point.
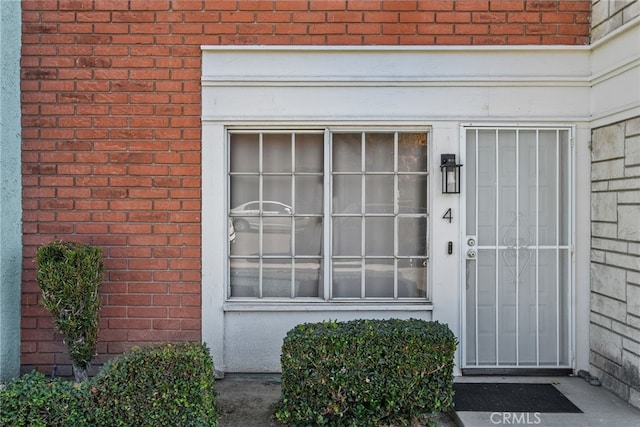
448 215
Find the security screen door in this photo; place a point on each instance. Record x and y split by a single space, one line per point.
518 248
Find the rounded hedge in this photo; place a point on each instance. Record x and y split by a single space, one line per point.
366 372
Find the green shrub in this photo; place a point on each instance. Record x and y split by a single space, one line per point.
366 372
159 385
70 275
35 400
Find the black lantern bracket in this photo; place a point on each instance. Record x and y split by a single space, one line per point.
450 171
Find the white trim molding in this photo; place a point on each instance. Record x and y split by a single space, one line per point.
313 83
615 76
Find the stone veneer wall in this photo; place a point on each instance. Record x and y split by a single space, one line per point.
615 258
607 15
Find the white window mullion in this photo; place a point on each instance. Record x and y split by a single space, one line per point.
293 215
497 257
517 192
363 190
396 210
537 269
261 210
327 218
228 202
558 247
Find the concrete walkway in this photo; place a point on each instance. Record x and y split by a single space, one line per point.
600 407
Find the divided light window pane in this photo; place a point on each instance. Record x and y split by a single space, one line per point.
376 221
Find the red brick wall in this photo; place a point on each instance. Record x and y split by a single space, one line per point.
111 130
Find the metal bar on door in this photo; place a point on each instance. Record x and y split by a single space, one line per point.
260 212
557 247
497 259
327 216
293 217
517 192
537 269
363 190
475 275
396 209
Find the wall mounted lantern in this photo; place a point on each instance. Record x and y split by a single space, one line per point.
450 174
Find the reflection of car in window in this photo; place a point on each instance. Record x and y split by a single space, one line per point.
232 231
276 216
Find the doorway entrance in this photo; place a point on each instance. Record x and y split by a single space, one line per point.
517 234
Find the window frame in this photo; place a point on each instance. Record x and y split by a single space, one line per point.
327 255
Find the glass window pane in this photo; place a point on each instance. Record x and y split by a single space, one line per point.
379 152
308 236
276 153
412 236
412 152
244 152
309 153
243 224
346 236
278 189
276 239
378 278
379 194
276 277
412 193
244 189
309 278
275 208
379 236
412 278
347 194
246 241
347 278
309 194
347 152
244 277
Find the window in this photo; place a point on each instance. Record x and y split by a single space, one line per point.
328 215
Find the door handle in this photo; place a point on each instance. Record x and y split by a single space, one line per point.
471 253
